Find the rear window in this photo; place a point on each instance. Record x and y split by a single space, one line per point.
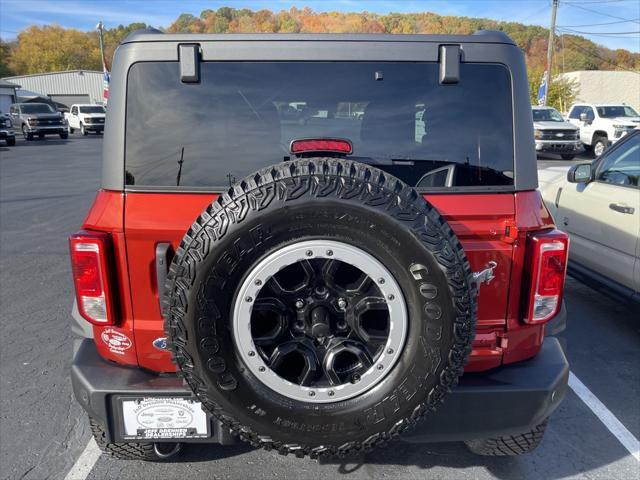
242 116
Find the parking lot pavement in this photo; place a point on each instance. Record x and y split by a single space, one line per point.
549 160
46 188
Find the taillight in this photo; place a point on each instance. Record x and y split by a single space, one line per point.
546 267
335 145
90 254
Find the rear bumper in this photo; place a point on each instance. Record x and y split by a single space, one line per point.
508 400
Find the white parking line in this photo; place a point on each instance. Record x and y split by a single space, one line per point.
85 462
624 436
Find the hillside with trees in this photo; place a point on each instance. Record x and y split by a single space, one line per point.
54 48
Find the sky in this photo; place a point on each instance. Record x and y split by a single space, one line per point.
605 21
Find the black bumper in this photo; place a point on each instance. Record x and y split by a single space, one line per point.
508 400
94 127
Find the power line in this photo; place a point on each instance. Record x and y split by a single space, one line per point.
594 54
600 13
635 32
598 24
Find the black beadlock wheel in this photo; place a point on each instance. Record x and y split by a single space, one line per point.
320 306
150 452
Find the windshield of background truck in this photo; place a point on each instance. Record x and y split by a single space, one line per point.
242 116
546 115
33 108
92 109
616 111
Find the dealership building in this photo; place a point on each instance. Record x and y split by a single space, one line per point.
606 86
66 88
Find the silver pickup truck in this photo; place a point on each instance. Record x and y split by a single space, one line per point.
555 135
38 119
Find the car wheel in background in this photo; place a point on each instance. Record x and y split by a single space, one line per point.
599 145
509 445
64 136
150 452
27 135
567 156
71 130
11 142
41 135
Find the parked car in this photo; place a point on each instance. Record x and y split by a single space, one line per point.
553 134
38 119
602 124
6 130
598 204
86 118
325 302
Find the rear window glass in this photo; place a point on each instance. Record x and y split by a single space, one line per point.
242 116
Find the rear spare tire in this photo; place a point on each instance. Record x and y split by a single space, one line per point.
320 306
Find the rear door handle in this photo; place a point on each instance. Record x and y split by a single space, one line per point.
621 208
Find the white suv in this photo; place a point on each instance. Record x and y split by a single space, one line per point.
86 118
602 124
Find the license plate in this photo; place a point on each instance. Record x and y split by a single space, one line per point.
163 418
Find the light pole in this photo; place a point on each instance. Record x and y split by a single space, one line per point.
100 27
552 31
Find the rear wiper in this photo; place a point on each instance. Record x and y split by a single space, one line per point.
180 162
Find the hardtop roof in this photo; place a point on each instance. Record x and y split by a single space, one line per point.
482 36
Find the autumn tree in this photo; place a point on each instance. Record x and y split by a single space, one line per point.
53 48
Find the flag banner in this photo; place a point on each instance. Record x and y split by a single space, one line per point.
105 80
542 91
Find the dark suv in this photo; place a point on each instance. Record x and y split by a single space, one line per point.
38 119
318 287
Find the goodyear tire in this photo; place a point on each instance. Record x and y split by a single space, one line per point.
314 210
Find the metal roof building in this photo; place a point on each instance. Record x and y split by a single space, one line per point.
73 86
7 94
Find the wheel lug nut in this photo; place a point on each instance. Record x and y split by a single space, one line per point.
355 378
390 351
251 353
342 303
312 393
391 297
380 366
331 393
248 299
258 282
309 253
299 303
381 280
329 254
261 369
342 325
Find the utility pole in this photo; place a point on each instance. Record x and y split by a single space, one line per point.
100 27
552 31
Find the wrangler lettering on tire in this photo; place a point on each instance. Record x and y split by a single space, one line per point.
320 306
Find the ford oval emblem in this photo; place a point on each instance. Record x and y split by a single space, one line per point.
160 343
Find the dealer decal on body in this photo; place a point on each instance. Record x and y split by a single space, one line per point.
117 342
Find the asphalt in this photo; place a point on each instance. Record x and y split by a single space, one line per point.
46 189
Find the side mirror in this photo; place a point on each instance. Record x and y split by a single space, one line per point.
584 117
580 173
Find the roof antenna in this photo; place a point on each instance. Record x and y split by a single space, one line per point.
180 162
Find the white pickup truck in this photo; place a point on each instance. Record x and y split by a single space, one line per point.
601 125
86 118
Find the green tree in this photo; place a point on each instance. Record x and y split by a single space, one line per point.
5 54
